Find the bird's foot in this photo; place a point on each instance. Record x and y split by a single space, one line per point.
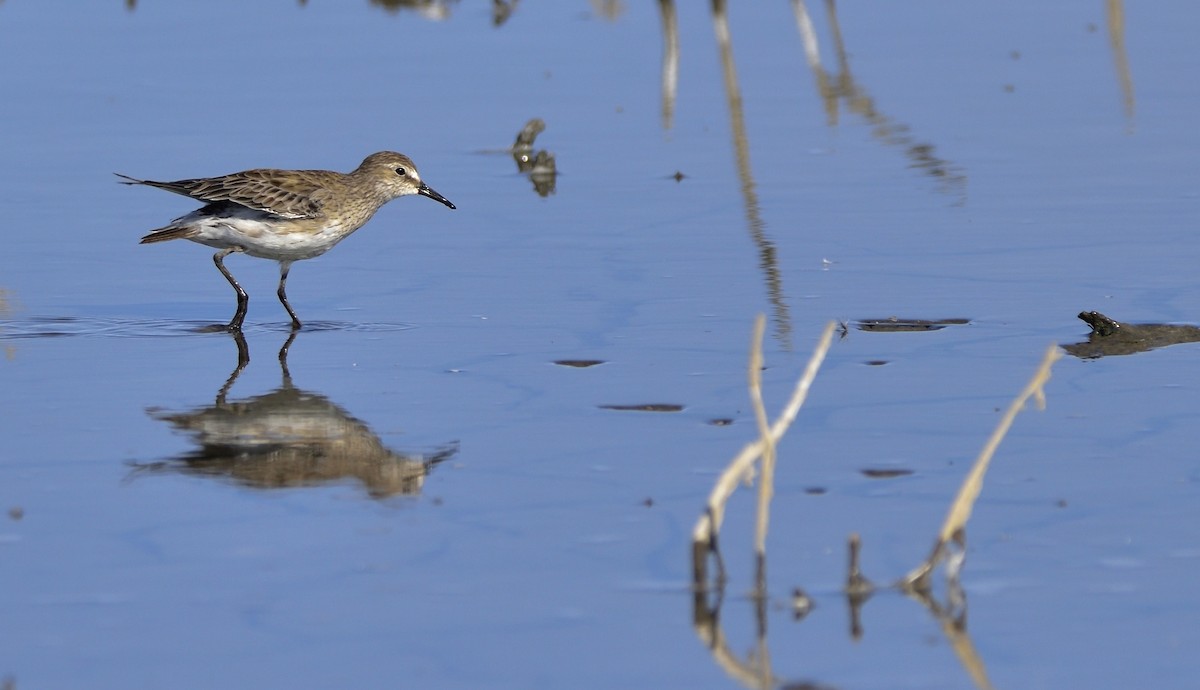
220 328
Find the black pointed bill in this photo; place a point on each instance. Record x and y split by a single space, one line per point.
426 190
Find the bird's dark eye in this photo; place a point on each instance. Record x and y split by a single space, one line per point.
401 172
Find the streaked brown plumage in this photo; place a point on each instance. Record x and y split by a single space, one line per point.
285 215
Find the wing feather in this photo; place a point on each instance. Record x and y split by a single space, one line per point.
287 194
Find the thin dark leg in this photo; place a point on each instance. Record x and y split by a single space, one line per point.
243 360
283 355
242 297
284 267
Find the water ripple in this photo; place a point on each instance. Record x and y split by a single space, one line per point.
69 326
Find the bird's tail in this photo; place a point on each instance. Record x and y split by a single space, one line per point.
125 179
170 232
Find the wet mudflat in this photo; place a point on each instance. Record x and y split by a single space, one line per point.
479 463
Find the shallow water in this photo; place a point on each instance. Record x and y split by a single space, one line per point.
1007 166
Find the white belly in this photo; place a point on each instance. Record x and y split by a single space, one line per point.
263 235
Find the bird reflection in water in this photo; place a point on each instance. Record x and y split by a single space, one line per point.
290 438
540 166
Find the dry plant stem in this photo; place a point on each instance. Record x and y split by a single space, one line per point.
960 511
967 655
766 480
856 583
710 522
808 35
701 550
752 672
953 622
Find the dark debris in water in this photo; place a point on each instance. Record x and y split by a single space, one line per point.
578 363
893 324
885 472
645 407
1111 337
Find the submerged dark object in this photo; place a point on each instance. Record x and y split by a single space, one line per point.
645 407
885 472
578 363
1112 337
894 324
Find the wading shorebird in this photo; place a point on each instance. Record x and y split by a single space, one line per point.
285 215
